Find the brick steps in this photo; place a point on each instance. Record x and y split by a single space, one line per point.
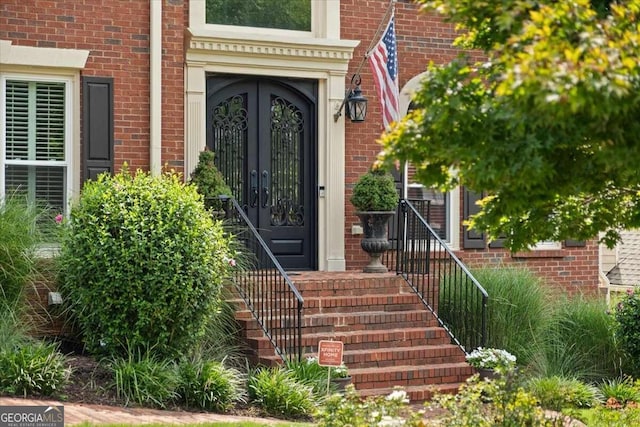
415 393
348 322
390 338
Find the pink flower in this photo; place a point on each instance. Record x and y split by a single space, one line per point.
59 218
232 262
629 292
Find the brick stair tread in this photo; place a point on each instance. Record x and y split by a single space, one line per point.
324 335
350 314
406 368
412 390
380 350
363 296
413 348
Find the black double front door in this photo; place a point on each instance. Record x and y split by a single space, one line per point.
263 133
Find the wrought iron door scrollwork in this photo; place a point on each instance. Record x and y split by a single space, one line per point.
286 213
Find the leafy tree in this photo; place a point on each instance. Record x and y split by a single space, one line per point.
546 123
289 14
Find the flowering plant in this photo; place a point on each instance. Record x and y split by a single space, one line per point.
336 372
491 358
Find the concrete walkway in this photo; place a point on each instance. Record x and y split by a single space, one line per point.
77 413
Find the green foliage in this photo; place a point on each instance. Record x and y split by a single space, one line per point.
19 236
505 403
309 372
557 393
622 389
545 124
351 410
142 263
144 379
375 191
627 332
606 417
518 311
579 341
32 368
209 181
279 393
290 14
209 385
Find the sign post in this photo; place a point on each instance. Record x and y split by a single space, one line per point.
330 355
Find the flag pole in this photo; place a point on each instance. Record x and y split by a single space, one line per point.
388 12
376 36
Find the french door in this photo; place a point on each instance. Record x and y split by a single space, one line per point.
263 134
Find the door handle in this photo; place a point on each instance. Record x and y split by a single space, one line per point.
265 189
253 196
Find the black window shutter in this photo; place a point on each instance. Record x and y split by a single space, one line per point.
471 238
97 126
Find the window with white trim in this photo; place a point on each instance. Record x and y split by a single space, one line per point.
34 149
283 14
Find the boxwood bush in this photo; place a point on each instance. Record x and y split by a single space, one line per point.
142 264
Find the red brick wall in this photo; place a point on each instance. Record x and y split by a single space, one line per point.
572 270
117 34
423 38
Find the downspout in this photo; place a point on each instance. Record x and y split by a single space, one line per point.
155 87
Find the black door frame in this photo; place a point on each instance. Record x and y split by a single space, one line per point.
303 90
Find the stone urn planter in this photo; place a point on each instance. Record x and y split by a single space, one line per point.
375 198
375 240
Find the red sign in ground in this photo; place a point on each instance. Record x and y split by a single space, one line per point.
330 353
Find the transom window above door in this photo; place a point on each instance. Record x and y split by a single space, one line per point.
281 14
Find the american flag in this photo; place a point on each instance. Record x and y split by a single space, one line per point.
383 60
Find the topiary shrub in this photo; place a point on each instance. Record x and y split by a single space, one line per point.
375 191
142 264
209 181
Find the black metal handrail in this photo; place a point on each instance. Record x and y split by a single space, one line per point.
440 279
265 287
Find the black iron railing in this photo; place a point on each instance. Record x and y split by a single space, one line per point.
264 286
440 279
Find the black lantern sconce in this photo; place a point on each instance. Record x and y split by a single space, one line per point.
354 103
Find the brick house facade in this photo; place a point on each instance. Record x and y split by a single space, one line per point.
152 58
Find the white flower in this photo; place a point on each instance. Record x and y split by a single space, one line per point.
490 358
399 395
388 421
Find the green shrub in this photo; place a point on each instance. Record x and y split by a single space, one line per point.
622 389
351 410
501 402
209 385
144 379
209 181
375 191
19 236
601 416
518 311
309 372
142 263
579 342
277 391
32 368
627 316
13 333
557 393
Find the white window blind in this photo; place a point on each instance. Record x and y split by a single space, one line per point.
35 158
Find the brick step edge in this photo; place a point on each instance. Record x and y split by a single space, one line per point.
417 394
